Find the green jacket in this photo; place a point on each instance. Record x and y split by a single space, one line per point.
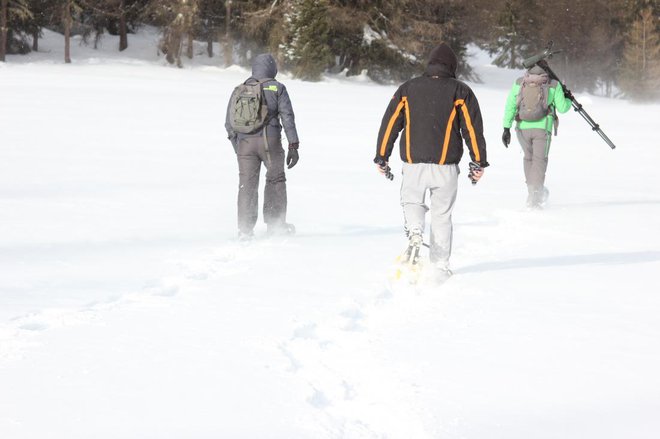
556 99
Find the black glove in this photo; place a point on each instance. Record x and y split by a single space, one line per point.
292 156
506 137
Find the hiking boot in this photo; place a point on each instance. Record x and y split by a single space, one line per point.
545 194
280 229
537 198
245 236
415 238
441 272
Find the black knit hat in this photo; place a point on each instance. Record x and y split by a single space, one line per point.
442 54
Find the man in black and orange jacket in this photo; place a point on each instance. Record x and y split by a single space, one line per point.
436 112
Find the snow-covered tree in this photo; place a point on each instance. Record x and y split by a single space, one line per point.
307 47
11 10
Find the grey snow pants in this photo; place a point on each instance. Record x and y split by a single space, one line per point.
535 143
441 181
251 153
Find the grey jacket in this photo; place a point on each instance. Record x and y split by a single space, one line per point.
277 99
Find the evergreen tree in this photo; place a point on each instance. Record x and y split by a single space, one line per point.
12 12
307 47
515 38
43 12
640 76
210 25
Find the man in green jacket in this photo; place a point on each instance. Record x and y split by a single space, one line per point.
533 102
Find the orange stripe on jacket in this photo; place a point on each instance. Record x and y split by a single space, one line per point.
388 131
445 144
408 156
473 135
468 123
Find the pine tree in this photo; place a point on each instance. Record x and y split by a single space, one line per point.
640 76
514 36
42 15
307 48
11 11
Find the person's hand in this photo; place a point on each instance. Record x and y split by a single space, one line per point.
381 164
506 137
383 168
292 157
476 171
477 174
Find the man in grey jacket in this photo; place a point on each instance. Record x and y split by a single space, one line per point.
265 147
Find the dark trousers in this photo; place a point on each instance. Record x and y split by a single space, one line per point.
251 153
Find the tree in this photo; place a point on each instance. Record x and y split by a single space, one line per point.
177 19
11 10
211 17
307 47
42 15
69 8
514 38
640 76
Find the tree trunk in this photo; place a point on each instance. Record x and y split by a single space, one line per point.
123 30
35 41
67 32
189 51
229 45
3 29
209 45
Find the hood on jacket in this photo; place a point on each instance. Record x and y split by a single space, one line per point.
264 66
442 60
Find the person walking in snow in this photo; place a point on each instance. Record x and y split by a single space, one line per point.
263 145
433 110
533 102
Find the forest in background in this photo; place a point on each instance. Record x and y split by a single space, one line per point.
609 47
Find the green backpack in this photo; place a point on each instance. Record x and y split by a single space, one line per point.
248 111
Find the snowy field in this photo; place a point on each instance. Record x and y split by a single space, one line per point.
129 311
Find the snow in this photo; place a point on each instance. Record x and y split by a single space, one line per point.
128 310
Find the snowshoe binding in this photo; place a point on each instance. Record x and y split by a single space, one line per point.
409 265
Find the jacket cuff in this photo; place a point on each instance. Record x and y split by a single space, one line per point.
293 145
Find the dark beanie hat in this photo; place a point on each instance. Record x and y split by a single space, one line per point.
442 54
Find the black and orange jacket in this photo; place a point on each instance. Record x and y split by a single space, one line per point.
433 111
